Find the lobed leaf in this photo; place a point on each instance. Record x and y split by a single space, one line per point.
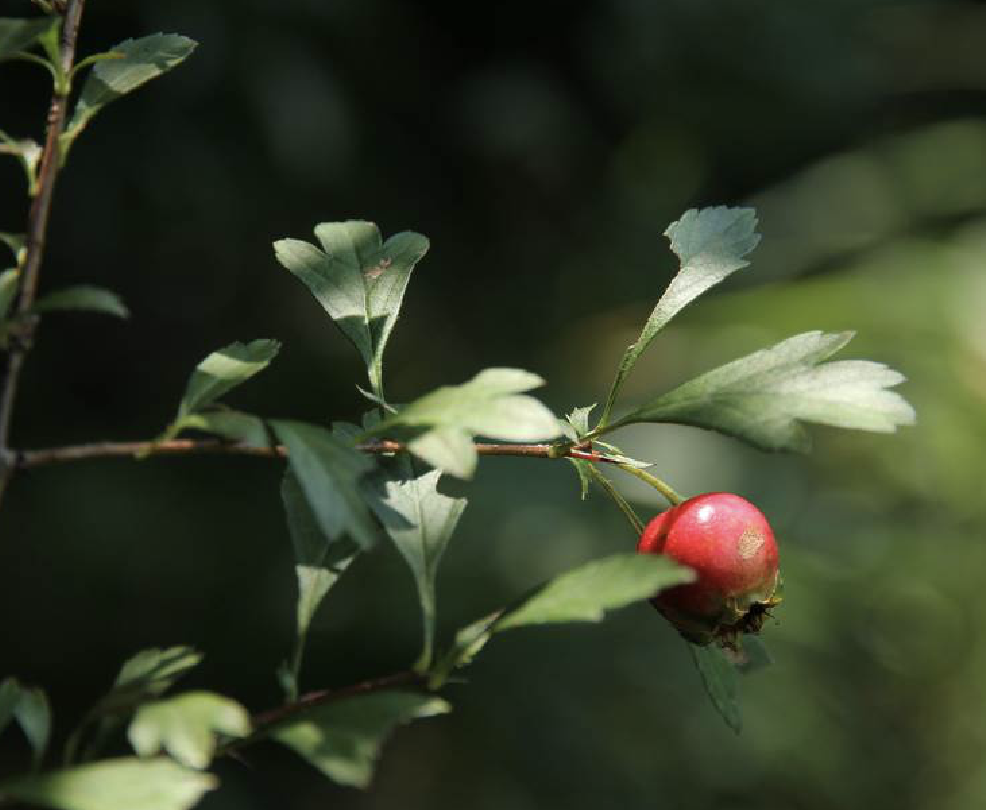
83 297
420 520
710 244
328 471
224 370
126 783
149 673
319 562
135 62
359 280
490 404
343 738
763 398
187 727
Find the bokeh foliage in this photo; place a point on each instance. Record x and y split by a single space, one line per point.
543 152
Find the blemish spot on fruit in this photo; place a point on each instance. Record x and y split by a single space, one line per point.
749 543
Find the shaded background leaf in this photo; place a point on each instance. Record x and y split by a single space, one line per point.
329 472
83 297
20 34
720 679
343 738
114 784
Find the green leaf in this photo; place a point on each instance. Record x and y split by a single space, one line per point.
585 593
115 784
420 520
329 472
582 471
139 61
223 370
83 297
8 290
753 655
762 398
15 241
21 34
490 404
187 727
711 244
359 280
720 679
30 707
579 420
10 693
34 715
232 425
149 673
28 153
343 738
319 562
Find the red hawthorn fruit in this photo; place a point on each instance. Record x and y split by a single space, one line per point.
731 547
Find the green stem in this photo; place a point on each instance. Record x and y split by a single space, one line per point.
673 497
25 56
607 486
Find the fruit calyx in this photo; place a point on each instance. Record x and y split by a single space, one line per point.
731 547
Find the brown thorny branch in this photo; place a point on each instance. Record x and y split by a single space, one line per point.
37 226
11 461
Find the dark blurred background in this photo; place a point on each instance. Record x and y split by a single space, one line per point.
543 147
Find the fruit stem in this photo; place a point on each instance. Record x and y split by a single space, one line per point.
673 497
627 510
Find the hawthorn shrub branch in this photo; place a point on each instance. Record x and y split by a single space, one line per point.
29 459
263 722
37 226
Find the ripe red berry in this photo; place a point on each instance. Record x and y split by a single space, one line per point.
731 547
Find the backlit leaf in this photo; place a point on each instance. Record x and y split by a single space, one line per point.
187 727
115 784
763 398
490 404
420 520
711 244
359 280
